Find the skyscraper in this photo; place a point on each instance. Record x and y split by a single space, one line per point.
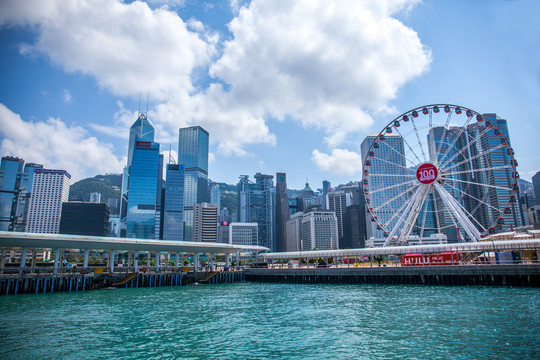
337 201
49 190
256 203
384 189
144 186
173 211
193 155
282 211
536 186
148 183
10 181
325 191
205 222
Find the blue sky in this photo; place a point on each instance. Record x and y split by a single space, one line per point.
282 86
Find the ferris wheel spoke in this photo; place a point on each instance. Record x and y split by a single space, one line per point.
396 212
393 164
480 170
391 187
418 139
453 205
410 148
457 137
480 184
391 200
469 159
471 142
438 151
480 203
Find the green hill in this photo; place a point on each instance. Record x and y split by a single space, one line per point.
108 185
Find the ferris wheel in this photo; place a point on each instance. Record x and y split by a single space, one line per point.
440 170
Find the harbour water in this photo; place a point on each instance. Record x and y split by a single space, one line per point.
274 321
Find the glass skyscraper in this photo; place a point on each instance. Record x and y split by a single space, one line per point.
173 217
141 183
193 155
388 192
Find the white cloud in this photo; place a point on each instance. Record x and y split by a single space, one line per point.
128 48
56 146
340 161
328 65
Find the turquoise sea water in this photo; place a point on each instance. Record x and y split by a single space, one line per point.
274 321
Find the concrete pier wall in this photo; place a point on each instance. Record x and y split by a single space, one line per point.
486 275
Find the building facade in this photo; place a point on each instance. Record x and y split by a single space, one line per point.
193 155
294 232
173 207
243 233
256 204
79 218
354 228
50 189
319 230
337 201
205 222
282 211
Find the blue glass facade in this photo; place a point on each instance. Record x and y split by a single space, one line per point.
144 183
10 180
173 216
193 155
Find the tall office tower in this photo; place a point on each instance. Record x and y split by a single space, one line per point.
144 188
25 194
354 228
95 197
10 181
173 211
140 131
50 189
256 204
193 155
325 190
337 201
215 198
243 234
357 197
500 174
536 186
205 222
319 230
386 190
294 232
282 211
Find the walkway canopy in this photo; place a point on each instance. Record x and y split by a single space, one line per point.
18 240
482 246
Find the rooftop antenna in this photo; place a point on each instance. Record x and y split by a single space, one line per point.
171 159
139 113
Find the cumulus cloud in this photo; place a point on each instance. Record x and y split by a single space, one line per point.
56 145
329 65
339 161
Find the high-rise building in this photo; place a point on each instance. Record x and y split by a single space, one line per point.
256 203
142 183
325 190
215 198
319 230
243 234
205 222
282 211
354 228
144 189
385 189
536 186
306 200
294 232
79 218
50 189
193 155
11 169
173 209
337 201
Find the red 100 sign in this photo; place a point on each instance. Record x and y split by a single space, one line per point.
426 173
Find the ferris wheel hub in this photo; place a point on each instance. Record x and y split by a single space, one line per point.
427 173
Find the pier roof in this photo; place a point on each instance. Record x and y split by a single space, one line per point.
20 240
